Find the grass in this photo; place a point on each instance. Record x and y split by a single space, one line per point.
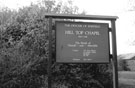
126 86
126 79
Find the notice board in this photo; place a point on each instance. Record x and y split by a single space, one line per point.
82 42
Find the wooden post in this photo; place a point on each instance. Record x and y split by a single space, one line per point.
114 58
50 53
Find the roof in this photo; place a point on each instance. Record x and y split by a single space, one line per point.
73 16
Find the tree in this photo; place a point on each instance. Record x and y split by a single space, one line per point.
24 45
131 5
60 7
5 15
24 52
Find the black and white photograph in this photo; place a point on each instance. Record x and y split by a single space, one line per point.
67 43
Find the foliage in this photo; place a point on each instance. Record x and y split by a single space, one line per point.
123 65
24 52
126 64
131 5
5 15
131 65
83 75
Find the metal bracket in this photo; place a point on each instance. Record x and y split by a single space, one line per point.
111 56
110 29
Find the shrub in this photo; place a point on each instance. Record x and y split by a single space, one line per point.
24 53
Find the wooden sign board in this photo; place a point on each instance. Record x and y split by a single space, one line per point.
81 42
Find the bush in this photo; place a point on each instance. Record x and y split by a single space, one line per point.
131 65
24 53
123 65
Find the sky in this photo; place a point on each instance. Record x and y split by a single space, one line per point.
125 25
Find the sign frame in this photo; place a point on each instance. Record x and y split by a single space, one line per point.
84 23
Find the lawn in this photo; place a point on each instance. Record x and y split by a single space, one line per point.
126 79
